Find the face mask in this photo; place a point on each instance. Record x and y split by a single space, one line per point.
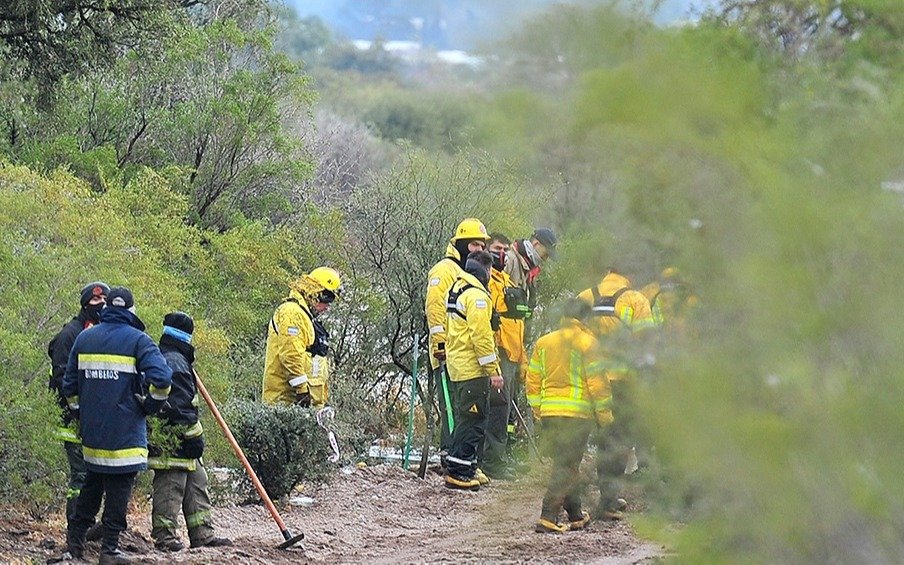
93 311
499 261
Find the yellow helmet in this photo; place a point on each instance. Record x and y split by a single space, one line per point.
670 273
329 280
471 228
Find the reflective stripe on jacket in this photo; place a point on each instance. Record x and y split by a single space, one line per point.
288 364
632 309
439 281
567 375
172 463
470 344
510 336
108 365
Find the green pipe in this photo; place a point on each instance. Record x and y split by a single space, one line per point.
450 417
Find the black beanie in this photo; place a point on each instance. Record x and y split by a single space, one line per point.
91 290
180 321
120 297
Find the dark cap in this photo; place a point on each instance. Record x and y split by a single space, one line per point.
91 290
179 320
548 238
120 297
179 325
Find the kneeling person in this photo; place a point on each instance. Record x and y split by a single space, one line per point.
180 481
473 367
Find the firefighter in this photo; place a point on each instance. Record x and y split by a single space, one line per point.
510 303
473 367
615 305
180 480
296 369
470 236
526 256
617 311
671 299
108 367
92 296
523 263
568 391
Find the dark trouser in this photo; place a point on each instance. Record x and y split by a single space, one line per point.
471 401
178 490
77 471
493 456
441 376
565 440
611 456
117 489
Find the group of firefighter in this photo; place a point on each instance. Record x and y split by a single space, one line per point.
480 298
109 375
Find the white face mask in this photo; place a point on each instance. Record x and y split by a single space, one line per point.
531 252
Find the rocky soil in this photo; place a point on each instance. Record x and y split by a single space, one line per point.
378 514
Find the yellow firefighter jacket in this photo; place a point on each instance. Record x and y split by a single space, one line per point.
668 307
439 281
567 375
510 336
631 309
290 368
470 345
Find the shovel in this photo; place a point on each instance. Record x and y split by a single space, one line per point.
530 436
290 540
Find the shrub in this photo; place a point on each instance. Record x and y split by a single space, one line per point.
284 444
31 461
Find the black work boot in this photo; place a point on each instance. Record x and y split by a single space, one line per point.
75 543
113 557
171 545
212 542
95 532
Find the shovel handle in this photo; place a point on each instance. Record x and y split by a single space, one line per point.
238 452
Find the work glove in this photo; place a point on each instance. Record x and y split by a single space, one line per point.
303 399
149 405
192 448
440 351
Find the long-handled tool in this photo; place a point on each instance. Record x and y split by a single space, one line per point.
290 540
530 436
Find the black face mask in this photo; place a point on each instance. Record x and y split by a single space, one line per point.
499 261
92 312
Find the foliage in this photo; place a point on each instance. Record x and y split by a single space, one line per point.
135 235
31 461
284 444
211 103
51 39
828 29
761 179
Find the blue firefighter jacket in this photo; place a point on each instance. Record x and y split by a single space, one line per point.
110 363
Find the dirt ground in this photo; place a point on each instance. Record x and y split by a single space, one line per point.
378 514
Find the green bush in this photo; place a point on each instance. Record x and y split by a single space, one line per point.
31 460
284 444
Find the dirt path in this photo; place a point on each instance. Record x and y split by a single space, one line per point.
378 514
